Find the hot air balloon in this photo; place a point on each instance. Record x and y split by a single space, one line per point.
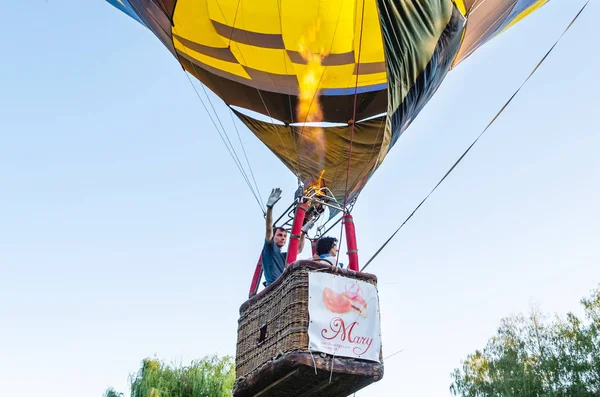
328 87
374 64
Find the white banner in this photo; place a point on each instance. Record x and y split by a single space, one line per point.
344 317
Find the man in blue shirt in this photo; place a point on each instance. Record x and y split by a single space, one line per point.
273 260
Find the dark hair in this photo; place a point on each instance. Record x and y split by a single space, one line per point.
279 228
324 245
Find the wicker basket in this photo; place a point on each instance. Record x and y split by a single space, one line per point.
272 350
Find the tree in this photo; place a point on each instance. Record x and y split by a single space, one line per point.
533 357
110 392
210 376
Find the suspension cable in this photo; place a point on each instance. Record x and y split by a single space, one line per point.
362 22
255 86
247 161
478 137
231 150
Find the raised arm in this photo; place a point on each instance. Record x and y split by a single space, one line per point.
273 198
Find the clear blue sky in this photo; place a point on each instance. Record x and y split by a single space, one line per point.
126 231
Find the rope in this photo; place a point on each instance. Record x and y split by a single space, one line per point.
254 85
234 19
231 149
223 128
478 137
314 362
355 103
247 161
233 154
393 354
332 360
362 22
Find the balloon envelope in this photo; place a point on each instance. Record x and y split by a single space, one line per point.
370 65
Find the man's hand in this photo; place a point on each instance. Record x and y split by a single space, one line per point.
274 197
308 225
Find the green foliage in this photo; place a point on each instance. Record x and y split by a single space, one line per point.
533 357
110 392
209 377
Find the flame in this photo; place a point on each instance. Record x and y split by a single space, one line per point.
312 139
309 106
313 185
318 183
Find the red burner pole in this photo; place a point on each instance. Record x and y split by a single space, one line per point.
296 231
258 272
351 242
313 245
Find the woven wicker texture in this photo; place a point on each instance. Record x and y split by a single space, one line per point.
274 324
